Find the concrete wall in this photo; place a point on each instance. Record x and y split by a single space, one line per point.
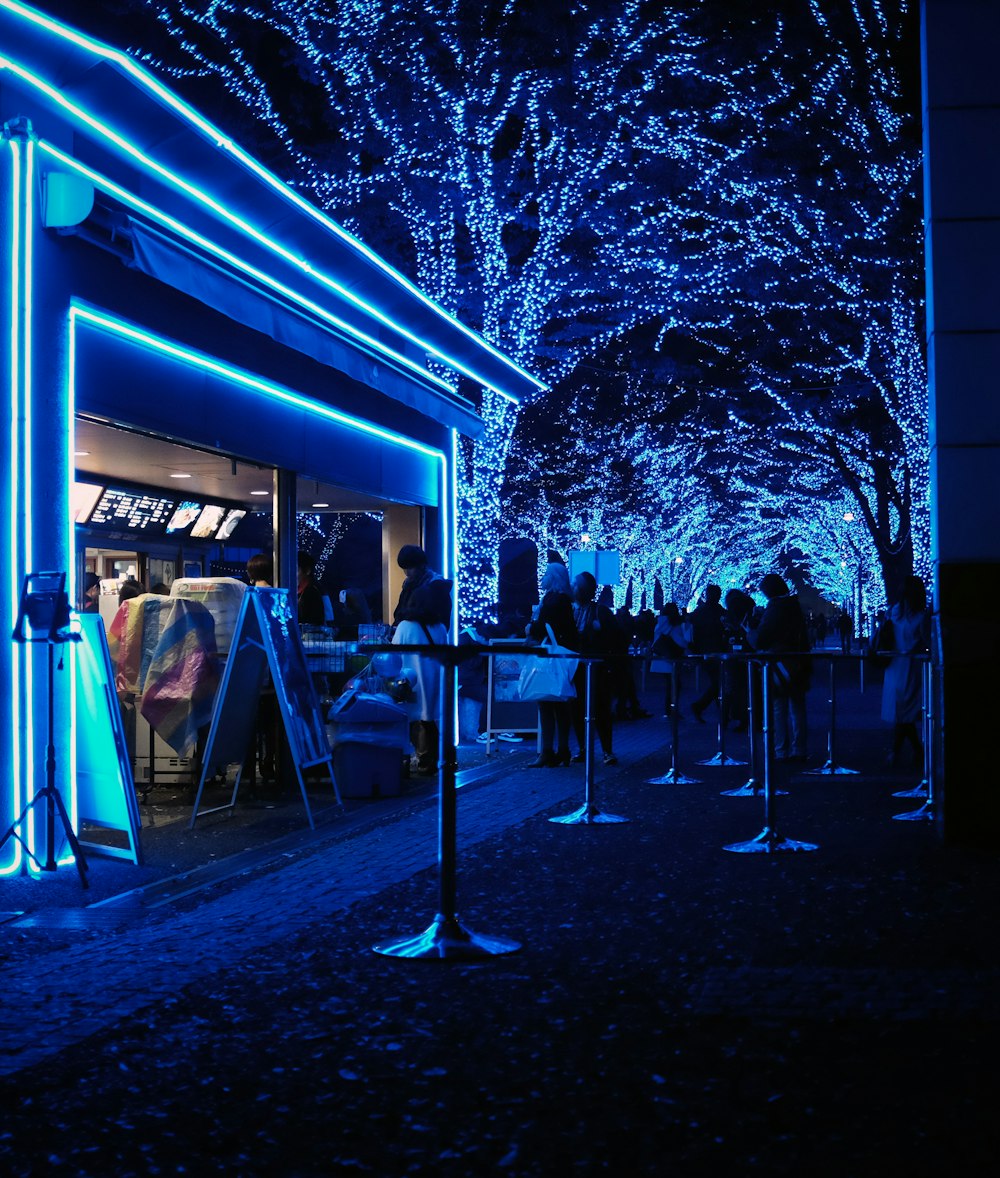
961 79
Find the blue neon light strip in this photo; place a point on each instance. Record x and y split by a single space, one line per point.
116 326
109 186
166 96
13 554
269 243
74 654
26 472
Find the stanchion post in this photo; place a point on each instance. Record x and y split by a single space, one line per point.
589 813
831 768
674 777
768 841
925 789
753 787
720 757
446 938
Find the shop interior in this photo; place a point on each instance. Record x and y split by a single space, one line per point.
180 520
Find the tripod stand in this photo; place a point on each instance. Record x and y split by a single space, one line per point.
43 616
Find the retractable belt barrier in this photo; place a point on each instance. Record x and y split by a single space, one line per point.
447 938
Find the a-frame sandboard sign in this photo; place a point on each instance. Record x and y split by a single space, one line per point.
266 638
105 789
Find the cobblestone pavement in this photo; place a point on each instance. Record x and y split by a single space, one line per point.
673 1005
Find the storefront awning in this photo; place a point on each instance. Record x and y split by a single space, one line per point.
184 269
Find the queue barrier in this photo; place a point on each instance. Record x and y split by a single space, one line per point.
447 938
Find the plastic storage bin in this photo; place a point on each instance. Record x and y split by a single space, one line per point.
369 735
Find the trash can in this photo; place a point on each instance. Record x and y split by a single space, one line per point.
369 735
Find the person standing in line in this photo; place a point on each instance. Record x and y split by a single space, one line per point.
597 631
421 618
783 629
902 687
555 610
309 599
709 637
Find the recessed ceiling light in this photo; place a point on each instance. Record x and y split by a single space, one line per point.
180 475
260 492
321 505
81 453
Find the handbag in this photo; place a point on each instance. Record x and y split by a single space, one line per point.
885 639
544 679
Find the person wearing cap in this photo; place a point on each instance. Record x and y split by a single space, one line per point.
421 618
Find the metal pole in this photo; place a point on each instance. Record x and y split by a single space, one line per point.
446 938
674 777
924 813
589 813
831 768
768 841
720 757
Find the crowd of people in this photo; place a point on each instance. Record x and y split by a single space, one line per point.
573 615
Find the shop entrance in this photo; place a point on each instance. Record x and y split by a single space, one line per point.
153 515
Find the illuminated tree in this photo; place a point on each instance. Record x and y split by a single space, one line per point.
688 218
799 387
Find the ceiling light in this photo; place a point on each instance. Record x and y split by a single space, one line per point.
81 453
180 475
260 492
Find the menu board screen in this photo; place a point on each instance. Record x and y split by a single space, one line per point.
185 515
208 521
233 517
134 511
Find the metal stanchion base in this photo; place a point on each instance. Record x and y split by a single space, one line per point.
769 842
446 939
831 770
673 778
918 791
587 815
719 759
924 814
752 790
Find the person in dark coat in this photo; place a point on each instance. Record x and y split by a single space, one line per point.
555 610
598 633
783 628
709 637
310 600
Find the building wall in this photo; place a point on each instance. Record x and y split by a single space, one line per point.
960 40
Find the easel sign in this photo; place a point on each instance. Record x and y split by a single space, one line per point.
105 790
265 638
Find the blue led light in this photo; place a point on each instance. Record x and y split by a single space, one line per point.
126 197
198 194
80 311
13 550
166 96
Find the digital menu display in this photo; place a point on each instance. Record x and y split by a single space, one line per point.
207 523
134 511
185 515
233 517
83 499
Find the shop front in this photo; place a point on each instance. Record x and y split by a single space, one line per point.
201 366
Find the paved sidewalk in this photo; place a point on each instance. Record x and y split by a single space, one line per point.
673 1006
